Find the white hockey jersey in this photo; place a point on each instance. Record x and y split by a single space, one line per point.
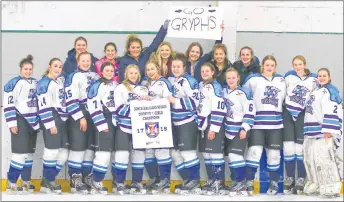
20 97
185 90
324 112
122 107
100 97
298 90
161 88
211 106
240 110
51 96
76 88
268 97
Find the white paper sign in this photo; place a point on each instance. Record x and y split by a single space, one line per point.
195 22
151 124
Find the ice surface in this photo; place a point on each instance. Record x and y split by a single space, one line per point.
165 197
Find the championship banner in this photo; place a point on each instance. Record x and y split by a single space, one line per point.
195 22
151 124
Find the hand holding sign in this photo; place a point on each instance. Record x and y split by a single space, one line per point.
195 22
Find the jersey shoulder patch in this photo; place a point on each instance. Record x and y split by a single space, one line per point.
192 81
69 79
93 91
334 93
43 85
289 73
218 89
11 84
247 92
251 76
168 84
313 75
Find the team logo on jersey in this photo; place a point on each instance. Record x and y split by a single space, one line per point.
152 93
111 102
132 96
229 104
32 97
181 82
309 108
152 129
62 96
160 84
299 95
271 94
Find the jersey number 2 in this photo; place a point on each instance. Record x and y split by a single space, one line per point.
335 109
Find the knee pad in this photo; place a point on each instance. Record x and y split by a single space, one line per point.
273 157
89 155
236 160
121 160
101 161
207 158
289 150
18 161
299 152
62 156
75 158
177 159
217 159
190 158
50 157
149 153
137 159
253 156
163 156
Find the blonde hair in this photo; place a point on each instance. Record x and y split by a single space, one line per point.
303 59
212 68
266 58
152 60
163 67
126 82
232 69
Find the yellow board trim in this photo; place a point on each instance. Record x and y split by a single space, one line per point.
108 183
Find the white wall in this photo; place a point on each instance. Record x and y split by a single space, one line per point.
276 16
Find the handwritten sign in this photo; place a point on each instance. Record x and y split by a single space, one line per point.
195 22
151 124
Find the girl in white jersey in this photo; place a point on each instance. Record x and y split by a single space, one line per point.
300 83
101 106
184 118
53 115
323 134
80 126
239 121
211 112
269 91
127 91
20 110
159 87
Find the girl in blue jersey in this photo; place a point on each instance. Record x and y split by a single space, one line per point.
20 110
53 115
269 91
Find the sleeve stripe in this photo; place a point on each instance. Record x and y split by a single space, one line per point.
48 120
71 102
44 110
9 109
